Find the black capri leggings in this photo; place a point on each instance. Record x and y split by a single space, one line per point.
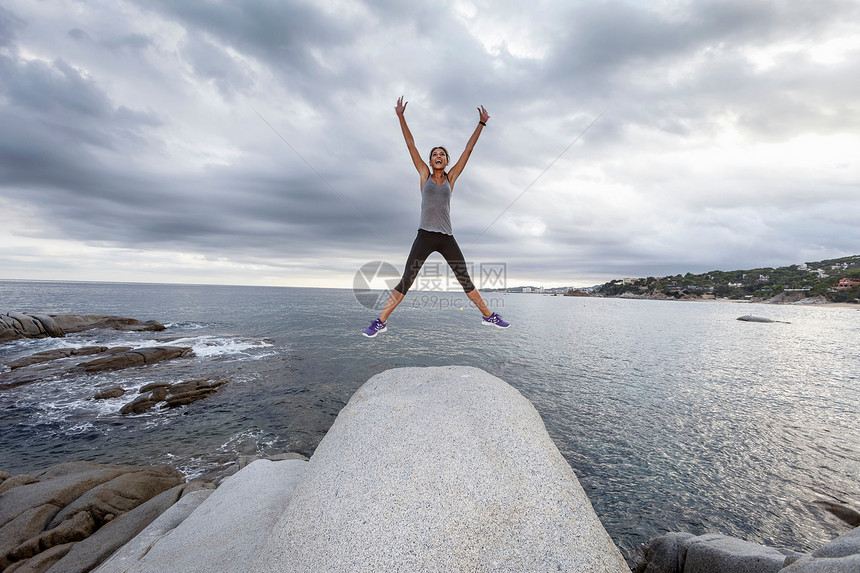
428 242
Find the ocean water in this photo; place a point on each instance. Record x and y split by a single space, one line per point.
675 416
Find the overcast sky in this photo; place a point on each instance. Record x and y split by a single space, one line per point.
135 138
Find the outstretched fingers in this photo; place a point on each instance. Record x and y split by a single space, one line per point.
484 114
401 106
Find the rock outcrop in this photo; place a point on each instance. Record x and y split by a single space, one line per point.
426 469
751 318
15 325
58 363
55 354
172 395
447 469
135 357
226 532
47 515
686 553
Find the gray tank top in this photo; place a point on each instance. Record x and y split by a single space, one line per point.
436 207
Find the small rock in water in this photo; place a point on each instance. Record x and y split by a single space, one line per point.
751 318
112 392
136 357
153 386
847 514
174 395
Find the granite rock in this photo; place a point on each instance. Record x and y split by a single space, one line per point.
15 481
136 357
228 530
27 525
70 323
666 553
173 395
41 562
55 354
122 494
71 503
844 545
59 490
15 325
751 318
447 469
844 512
133 551
112 392
78 527
87 554
706 554
847 564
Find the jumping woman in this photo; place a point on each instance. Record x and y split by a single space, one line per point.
434 231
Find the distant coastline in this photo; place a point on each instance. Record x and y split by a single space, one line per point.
820 302
830 281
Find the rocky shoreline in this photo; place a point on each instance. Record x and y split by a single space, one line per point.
16 325
687 553
784 298
73 516
61 363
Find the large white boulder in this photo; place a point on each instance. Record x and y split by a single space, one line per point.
225 532
438 469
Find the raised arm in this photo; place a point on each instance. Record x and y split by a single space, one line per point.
422 168
455 171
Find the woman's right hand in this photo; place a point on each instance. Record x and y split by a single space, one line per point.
400 107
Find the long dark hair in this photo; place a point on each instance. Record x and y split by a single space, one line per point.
430 157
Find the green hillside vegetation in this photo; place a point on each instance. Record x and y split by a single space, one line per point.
796 281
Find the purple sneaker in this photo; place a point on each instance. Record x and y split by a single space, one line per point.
375 328
496 320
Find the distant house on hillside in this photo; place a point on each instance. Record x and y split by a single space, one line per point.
848 283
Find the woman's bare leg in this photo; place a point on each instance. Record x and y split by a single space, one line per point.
475 297
393 300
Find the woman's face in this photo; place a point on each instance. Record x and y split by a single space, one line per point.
438 159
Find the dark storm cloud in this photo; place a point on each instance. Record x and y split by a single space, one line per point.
10 25
283 35
142 132
55 122
213 62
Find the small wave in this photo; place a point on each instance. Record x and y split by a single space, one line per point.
185 325
210 346
80 428
27 346
191 468
249 442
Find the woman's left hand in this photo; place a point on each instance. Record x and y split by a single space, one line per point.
484 114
